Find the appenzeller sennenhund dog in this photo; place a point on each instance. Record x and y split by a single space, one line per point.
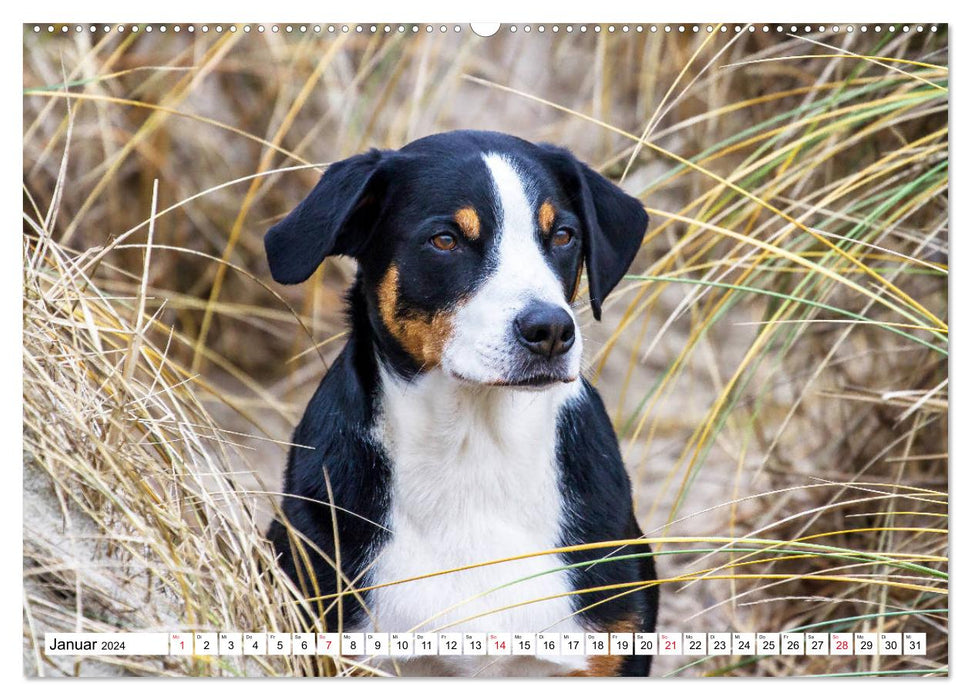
455 427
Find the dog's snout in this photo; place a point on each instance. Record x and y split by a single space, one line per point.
545 329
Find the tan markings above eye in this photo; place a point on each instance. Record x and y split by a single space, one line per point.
444 241
547 212
562 237
468 220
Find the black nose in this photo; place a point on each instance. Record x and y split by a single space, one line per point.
545 329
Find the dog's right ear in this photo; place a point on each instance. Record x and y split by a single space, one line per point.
336 218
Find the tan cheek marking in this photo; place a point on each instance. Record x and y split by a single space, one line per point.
468 221
547 212
608 665
388 297
423 336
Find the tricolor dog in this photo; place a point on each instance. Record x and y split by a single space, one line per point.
455 427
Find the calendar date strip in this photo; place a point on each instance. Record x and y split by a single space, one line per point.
409 644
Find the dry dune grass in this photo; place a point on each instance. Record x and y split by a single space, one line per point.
775 364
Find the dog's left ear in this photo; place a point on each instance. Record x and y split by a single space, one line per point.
615 222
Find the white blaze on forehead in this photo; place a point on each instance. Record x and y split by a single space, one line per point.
522 268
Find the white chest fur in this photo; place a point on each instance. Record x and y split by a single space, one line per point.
474 479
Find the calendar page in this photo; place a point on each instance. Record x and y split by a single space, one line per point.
514 349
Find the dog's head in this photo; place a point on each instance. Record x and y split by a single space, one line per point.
470 246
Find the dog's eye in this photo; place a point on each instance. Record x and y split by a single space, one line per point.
562 237
444 241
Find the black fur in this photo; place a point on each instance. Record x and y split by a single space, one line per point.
333 437
379 207
597 486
